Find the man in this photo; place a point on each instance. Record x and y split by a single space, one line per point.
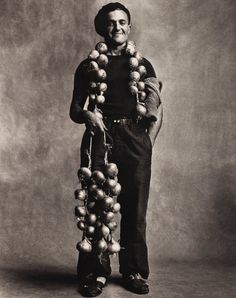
131 139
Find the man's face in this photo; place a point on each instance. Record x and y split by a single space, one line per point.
117 27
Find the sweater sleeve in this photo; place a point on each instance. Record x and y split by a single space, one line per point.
80 93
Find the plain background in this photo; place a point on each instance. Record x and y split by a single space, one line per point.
192 207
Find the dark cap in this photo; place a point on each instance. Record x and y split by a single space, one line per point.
100 19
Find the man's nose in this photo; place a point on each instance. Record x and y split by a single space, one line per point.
117 26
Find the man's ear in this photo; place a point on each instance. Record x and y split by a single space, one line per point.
129 28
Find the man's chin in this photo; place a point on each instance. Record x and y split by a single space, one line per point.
119 41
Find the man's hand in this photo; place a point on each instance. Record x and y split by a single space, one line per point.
93 123
156 125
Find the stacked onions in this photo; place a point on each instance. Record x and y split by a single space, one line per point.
96 209
96 70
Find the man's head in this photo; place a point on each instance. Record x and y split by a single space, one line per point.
113 23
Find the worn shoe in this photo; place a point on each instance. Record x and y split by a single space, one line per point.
93 289
135 284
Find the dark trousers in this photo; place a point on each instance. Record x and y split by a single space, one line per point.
131 151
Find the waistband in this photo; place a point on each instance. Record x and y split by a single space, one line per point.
122 120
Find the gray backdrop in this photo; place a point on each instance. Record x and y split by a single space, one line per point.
192 204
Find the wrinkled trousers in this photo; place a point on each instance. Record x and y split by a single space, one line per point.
132 152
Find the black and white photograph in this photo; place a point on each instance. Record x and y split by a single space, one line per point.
117 148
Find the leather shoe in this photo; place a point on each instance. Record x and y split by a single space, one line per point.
135 284
93 289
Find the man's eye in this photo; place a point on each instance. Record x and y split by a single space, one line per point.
122 22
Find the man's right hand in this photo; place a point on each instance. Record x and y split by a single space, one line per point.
93 122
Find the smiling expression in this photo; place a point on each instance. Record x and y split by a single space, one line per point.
117 27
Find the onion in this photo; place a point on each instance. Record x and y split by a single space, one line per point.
138 56
113 247
100 99
84 246
101 47
90 230
109 216
99 194
80 194
133 62
111 170
91 204
141 85
93 66
134 75
116 207
112 225
92 86
133 90
102 60
101 75
105 231
98 224
107 203
92 98
102 87
130 49
141 109
142 70
116 190
92 189
102 245
110 183
93 54
142 96
81 225
98 176
80 211
91 218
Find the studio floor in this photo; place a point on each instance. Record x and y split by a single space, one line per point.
167 280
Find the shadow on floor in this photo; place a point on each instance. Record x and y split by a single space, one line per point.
42 276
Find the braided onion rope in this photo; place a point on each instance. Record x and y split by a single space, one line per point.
97 73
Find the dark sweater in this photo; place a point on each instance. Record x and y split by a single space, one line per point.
119 102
